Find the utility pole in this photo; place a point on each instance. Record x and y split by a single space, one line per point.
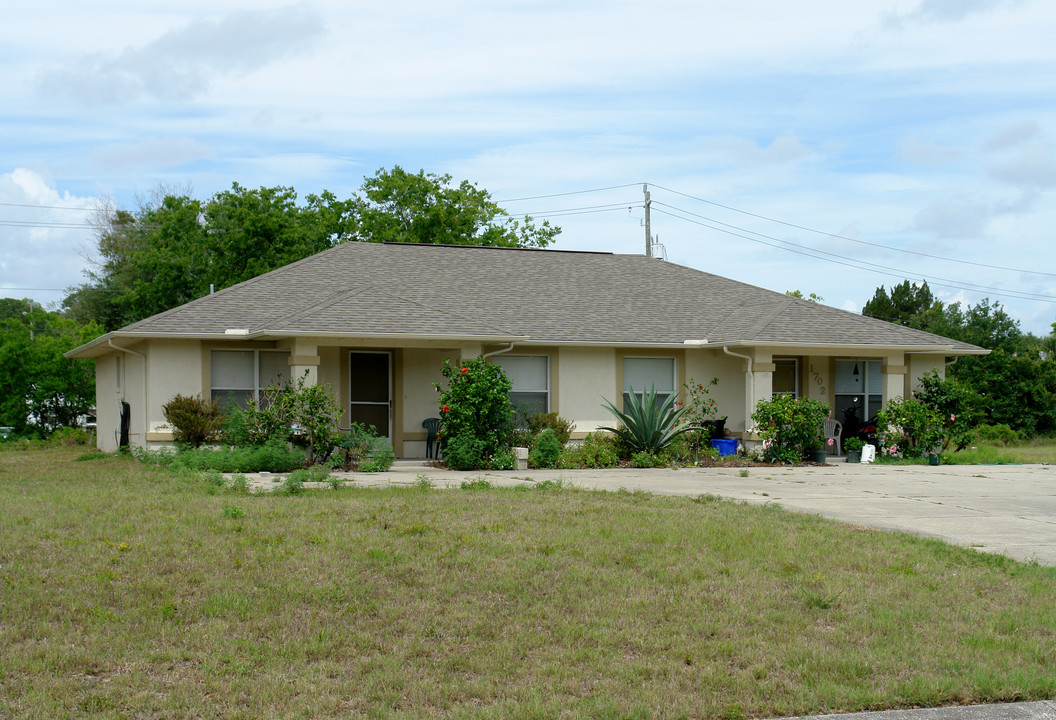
648 228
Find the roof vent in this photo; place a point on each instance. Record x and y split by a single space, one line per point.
236 331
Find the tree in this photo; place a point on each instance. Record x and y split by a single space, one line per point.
396 206
174 248
40 390
907 305
1016 382
812 297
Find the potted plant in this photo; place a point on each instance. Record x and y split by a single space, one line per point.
853 446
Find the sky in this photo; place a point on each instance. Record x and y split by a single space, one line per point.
822 146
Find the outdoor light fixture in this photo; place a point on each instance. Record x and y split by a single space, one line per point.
855 373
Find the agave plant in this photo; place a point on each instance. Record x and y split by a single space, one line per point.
648 425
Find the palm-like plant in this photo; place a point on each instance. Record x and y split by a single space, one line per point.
646 424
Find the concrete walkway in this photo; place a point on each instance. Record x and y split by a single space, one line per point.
1006 509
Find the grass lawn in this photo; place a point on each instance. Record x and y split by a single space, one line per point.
126 591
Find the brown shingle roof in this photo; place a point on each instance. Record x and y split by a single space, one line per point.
538 295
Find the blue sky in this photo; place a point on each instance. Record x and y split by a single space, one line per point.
899 129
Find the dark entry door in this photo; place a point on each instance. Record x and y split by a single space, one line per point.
370 390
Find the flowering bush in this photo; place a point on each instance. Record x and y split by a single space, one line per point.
956 404
909 428
791 427
476 412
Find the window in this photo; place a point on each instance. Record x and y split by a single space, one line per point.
237 376
642 374
786 377
530 376
859 392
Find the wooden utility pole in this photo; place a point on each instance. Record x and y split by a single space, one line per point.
648 228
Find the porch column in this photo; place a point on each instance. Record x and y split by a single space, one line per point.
470 351
304 357
894 372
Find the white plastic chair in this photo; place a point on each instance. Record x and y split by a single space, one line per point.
833 429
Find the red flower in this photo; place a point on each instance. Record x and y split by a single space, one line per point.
701 387
465 370
679 403
444 409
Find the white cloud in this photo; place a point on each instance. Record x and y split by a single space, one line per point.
43 234
181 63
1012 135
163 153
947 11
1032 167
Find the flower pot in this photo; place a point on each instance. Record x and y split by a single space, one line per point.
933 459
854 456
820 456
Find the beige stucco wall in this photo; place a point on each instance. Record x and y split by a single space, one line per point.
704 364
920 364
585 377
109 382
174 368
420 368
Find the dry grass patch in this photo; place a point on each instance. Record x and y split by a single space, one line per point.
129 592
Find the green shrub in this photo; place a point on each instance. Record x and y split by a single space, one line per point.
236 431
853 444
69 437
465 452
646 459
503 460
648 425
546 451
361 449
955 403
598 450
550 421
273 456
791 427
908 428
476 412
194 419
381 457
999 434
478 484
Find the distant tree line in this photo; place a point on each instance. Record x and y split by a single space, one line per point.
1015 384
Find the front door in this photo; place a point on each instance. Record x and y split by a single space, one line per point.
370 391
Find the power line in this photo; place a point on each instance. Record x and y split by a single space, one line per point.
46 207
583 210
848 262
855 240
565 194
58 225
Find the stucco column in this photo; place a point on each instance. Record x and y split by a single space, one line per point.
894 372
304 357
470 351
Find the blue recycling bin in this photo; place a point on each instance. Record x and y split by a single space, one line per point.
725 446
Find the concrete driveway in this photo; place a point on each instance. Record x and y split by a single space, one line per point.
1007 509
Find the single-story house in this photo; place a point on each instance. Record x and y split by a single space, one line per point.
376 321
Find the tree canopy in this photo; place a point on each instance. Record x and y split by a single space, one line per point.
40 390
175 248
1016 382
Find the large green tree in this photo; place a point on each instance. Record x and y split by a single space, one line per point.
1015 383
40 390
174 248
397 206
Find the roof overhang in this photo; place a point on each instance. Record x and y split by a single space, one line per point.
101 345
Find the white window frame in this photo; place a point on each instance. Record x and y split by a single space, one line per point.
624 392
535 391
255 390
795 370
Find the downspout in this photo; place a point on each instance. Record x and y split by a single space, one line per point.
749 388
124 384
500 351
